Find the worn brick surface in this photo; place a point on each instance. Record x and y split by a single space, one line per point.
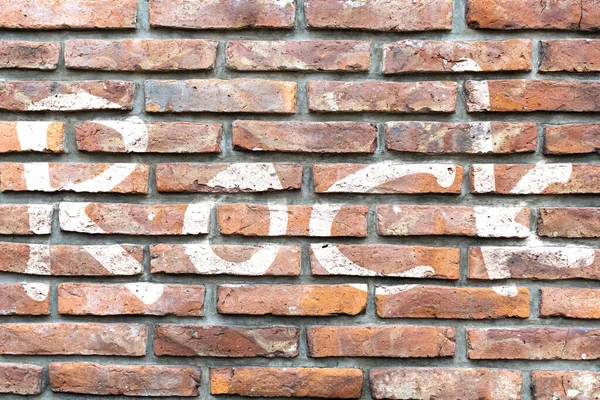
29 55
570 303
575 55
25 299
22 379
565 384
572 139
26 219
32 136
569 222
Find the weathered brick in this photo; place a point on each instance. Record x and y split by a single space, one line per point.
88 178
445 383
128 380
534 344
388 177
381 341
338 383
306 55
570 303
136 136
571 222
222 14
26 219
24 299
522 95
457 56
207 259
22 379
73 339
69 14
568 385
319 220
135 219
418 301
549 263
573 15
293 300
226 341
217 95
29 55
388 15
305 137
141 55
378 96
570 55
572 139
535 178
461 138
139 298
35 136
478 221
66 95
228 178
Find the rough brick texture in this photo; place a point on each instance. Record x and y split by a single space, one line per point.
23 379
565 384
29 55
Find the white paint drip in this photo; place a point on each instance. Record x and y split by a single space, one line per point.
37 291
133 131
40 218
148 293
321 219
482 140
478 98
484 178
38 262
278 220
541 176
33 135
115 259
374 175
391 290
506 291
499 222
206 261
466 65
37 177
258 177
196 219
73 217
73 102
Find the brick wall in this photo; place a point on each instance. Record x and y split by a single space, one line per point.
324 198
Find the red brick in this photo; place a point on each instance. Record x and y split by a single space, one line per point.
388 178
139 298
549 263
222 14
571 55
24 299
521 95
26 219
305 137
217 95
320 220
34 136
66 95
141 55
228 178
384 260
338 383
381 341
445 383
377 96
128 380
69 14
29 55
573 15
576 385
389 15
207 259
87 178
572 139
73 339
478 221
135 219
136 136
457 56
570 303
293 300
534 344
226 341
22 379
535 178
418 301
461 138
569 222
306 55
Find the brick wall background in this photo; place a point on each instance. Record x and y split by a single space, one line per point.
400 197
